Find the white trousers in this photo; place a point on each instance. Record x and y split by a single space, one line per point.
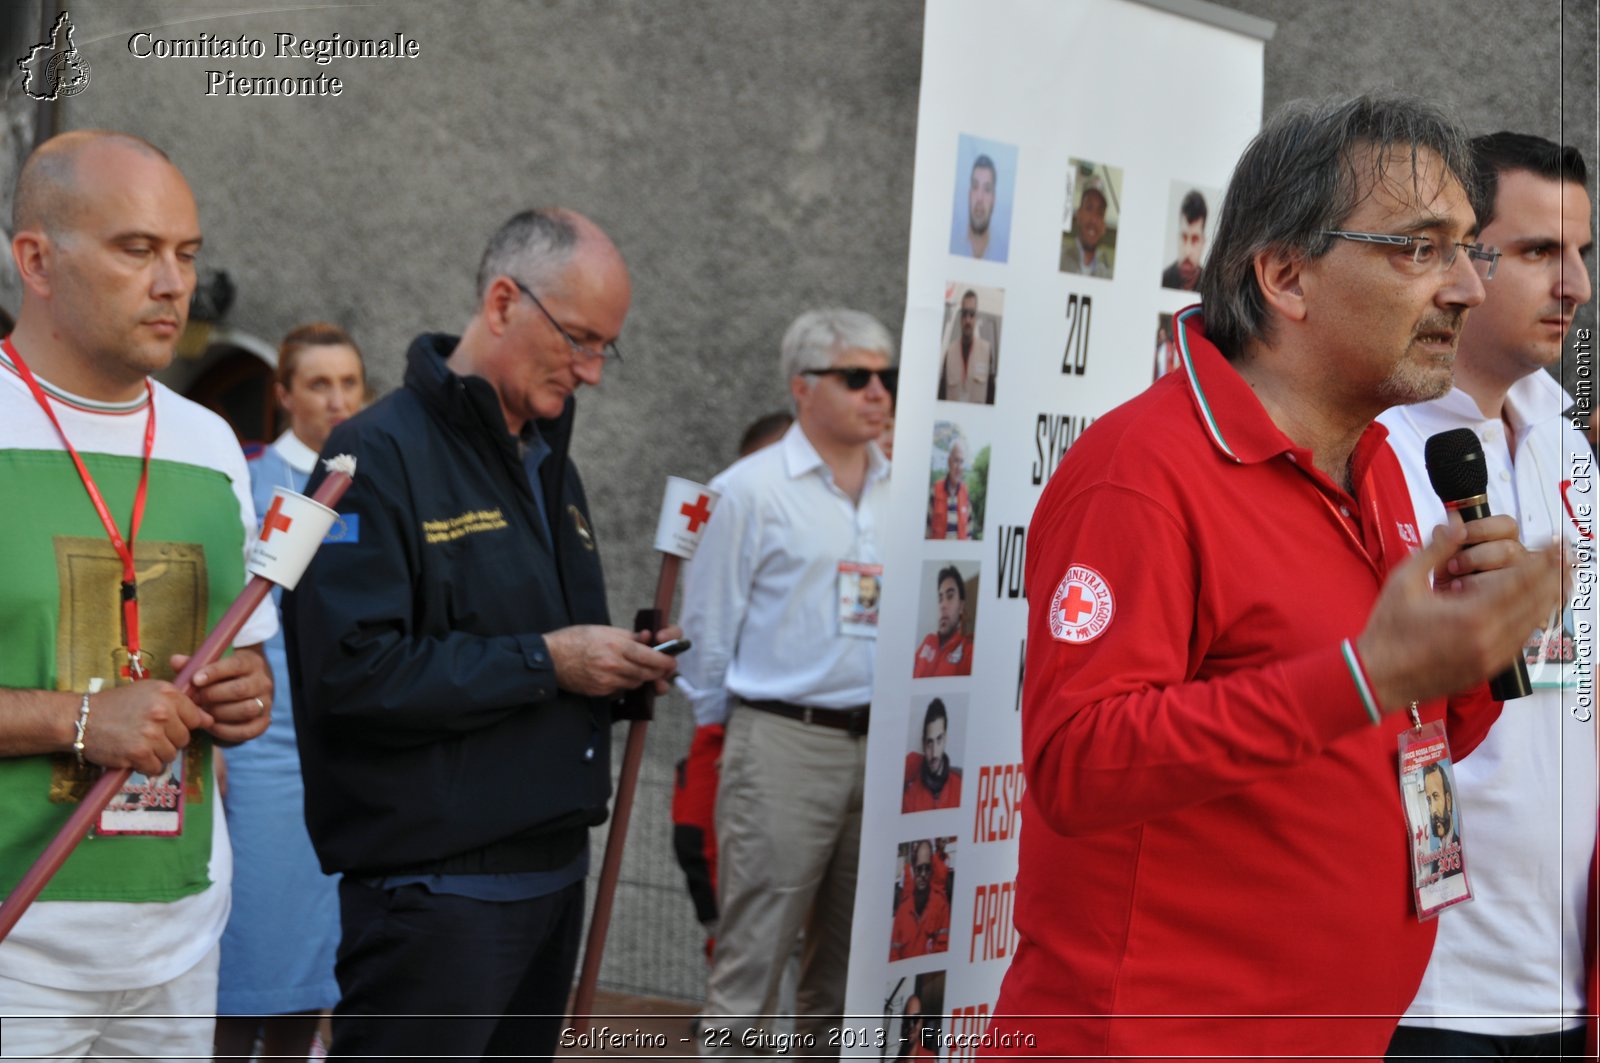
173 1020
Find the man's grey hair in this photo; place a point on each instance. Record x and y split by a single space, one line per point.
533 247
1311 165
818 336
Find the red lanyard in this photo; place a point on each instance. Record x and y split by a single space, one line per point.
1370 530
124 548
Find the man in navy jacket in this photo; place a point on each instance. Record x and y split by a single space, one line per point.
454 666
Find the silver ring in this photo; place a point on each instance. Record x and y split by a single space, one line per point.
261 705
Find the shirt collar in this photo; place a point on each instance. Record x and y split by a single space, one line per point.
535 448
1232 415
1239 426
67 398
1536 398
291 449
1533 400
800 457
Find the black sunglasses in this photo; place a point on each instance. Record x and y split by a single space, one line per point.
857 379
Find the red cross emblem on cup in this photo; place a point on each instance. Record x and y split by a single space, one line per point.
275 519
1082 607
698 513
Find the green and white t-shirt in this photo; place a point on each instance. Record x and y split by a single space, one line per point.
125 911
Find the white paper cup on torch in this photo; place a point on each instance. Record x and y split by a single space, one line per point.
685 508
291 530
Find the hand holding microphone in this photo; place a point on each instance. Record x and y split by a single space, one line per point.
1460 477
1421 642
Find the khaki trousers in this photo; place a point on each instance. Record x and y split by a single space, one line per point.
788 835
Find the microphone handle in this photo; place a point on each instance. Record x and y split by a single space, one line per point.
1513 682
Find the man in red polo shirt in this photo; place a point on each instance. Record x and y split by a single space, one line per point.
948 650
1227 627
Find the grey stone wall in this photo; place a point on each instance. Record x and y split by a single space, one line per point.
750 157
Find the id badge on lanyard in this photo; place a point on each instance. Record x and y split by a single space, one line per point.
147 804
1433 819
1556 654
860 590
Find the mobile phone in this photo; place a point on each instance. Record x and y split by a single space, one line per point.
672 647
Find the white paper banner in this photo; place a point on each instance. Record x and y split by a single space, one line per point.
1057 147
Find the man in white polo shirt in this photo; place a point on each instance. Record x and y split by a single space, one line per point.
1507 974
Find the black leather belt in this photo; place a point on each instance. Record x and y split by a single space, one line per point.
852 720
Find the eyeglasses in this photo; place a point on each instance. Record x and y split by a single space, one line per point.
1427 252
609 352
922 869
968 312
856 379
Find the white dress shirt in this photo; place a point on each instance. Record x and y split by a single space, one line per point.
760 598
1511 962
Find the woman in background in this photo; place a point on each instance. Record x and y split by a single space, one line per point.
278 948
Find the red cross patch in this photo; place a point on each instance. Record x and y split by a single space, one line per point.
1082 607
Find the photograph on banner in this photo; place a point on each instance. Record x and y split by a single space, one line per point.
1090 219
923 885
969 360
948 611
980 211
1166 348
913 1012
958 484
1190 208
937 735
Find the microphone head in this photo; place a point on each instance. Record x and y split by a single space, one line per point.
1455 465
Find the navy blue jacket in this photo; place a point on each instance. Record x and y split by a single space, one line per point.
433 737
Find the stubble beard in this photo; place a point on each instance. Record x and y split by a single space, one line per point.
1410 382
1419 375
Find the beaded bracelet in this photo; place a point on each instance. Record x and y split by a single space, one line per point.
82 726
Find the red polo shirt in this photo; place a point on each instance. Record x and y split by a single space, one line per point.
949 658
1213 853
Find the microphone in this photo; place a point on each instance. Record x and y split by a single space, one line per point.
1460 478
